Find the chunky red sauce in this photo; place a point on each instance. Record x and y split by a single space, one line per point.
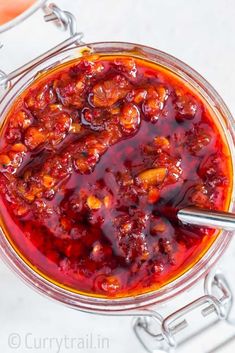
96 156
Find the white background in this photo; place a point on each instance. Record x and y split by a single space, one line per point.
199 32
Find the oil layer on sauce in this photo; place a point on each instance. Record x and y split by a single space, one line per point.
95 159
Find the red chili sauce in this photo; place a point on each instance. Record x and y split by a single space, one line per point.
96 156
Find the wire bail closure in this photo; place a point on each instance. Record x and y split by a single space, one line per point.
217 300
164 339
64 19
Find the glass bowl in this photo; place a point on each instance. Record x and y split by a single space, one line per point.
202 267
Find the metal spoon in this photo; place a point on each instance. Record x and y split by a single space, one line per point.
207 218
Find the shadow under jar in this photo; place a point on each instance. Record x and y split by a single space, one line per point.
100 146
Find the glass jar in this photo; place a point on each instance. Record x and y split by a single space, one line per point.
145 304
21 17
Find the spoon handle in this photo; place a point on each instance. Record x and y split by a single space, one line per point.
207 218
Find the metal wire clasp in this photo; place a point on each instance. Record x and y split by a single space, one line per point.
61 18
217 300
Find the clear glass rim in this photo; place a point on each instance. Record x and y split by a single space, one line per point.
202 267
23 16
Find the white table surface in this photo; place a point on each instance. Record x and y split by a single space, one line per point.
199 32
